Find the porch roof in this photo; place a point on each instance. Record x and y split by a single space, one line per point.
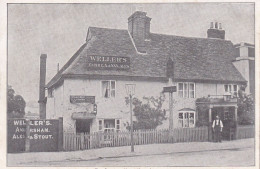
83 115
217 101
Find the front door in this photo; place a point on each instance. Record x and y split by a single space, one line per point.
83 125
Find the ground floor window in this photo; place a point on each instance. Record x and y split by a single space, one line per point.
108 126
186 119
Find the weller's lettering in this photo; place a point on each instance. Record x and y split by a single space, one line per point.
108 62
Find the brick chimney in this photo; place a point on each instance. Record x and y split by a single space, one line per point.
215 31
139 28
42 99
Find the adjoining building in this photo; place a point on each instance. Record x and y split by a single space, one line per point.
245 64
89 90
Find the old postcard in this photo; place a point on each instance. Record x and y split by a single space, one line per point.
130 84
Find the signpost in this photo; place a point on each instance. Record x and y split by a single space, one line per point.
170 90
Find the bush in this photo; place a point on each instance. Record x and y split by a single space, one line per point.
149 112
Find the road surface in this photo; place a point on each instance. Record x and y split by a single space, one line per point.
225 157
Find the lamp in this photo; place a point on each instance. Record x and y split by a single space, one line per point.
130 90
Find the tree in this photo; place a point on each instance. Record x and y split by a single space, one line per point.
246 108
15 104
149 112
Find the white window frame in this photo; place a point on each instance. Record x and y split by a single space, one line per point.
102 127
230 89
188 91
183 117
110 88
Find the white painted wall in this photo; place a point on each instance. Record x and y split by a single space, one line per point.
116 108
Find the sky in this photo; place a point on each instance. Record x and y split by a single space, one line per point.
58 30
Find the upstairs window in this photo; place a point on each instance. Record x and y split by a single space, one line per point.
108 89
233 89
186 90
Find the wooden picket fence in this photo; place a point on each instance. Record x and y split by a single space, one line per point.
245 132
140 137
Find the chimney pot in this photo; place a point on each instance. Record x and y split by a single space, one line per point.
216 31
216 25
211 25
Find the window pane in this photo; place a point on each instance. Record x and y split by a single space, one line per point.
180 123
226 88
191 87
105 89
180 115
100 124
113 93
109 123
192 94
180 93
185 90
113 84
191 115
180 86
235 88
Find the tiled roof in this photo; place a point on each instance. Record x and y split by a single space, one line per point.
195 59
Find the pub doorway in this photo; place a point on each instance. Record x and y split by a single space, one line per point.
83 126
226 115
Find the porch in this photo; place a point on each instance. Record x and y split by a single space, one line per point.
226 108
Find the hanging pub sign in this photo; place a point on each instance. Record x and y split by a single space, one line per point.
82 99
108 62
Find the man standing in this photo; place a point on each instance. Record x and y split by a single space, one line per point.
217 129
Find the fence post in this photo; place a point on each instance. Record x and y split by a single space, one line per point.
27 136
236 124
210 125
60 134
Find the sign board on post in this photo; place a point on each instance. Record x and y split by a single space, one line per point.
44 135
34 135
108 62
169 89
82 99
